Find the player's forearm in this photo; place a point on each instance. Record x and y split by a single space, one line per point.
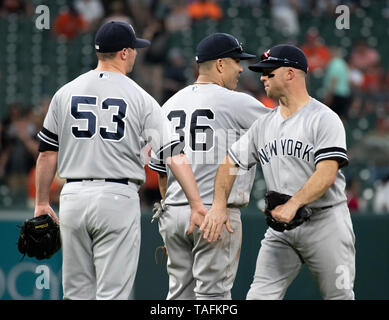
318 184
224 180
182 170
46 167
162 183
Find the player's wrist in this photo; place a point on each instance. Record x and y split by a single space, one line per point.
296 202
219 206
196 204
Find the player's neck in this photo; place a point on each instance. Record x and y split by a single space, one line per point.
205 79
290 104
110 67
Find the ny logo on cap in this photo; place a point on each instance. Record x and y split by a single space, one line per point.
239 45
266 55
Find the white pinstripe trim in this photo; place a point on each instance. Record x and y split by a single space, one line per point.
175 142
48 140
157 168
331 155
232 156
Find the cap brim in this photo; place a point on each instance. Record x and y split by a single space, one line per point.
141 43
243 56
259 66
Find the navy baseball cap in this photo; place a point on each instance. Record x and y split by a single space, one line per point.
282 55
220 45
115 35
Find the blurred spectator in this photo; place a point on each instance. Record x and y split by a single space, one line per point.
55 189
364 57
178 19
318 54
174 74
140 12
155 57
20 148
160 9
40 111
373 79
117 13
373 148
203 9
319 8
337 85
354 201
69 23
91 10
284 14
267 101
381 199
18 7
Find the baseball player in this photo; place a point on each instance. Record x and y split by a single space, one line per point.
93 134
301 146
208 117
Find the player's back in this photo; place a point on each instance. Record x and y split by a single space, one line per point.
208 119
99 122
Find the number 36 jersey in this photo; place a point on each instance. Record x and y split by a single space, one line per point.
99 122
207 119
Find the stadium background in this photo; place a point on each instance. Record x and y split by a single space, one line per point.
34 63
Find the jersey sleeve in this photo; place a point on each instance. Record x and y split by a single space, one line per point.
48 135
158 132
244 151
156 164
253 109
330 141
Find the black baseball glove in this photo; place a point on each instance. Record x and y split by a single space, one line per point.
39 237
274 199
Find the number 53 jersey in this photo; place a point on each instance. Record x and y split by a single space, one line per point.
207 119
99 122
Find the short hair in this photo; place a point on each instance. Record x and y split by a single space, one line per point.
207 65
103 56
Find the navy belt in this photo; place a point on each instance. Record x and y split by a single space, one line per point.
321 208
123 181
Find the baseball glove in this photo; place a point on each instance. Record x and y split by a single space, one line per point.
274 199
39 237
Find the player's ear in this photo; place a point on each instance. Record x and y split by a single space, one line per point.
290 74
220 65
124 53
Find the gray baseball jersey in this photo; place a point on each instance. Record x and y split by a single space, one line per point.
100 122
288 151
208 119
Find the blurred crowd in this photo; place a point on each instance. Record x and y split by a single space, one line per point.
353 83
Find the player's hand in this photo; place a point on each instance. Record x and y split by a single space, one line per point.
45 209
196 217
213 224
285 212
